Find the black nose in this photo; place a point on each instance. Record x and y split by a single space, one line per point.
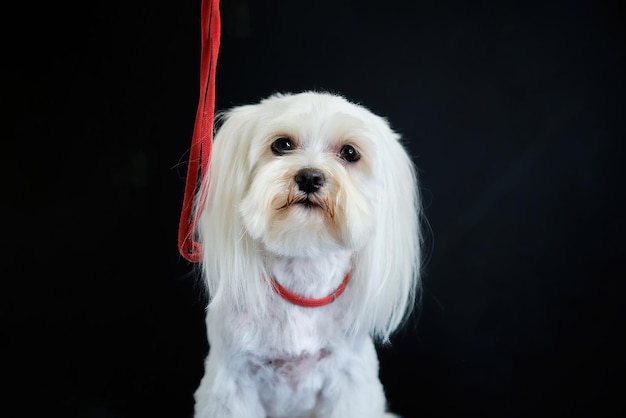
309 180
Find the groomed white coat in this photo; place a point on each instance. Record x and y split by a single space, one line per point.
304 189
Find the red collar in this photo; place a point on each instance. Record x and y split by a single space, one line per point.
309 302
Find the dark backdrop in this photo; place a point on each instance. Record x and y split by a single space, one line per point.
513 111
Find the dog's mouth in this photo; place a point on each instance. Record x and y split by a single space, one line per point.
307 203
310 201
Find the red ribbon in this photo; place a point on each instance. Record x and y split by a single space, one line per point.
202 138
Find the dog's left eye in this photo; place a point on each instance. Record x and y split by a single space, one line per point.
349 154
281 146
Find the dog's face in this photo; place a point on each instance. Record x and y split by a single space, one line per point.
311 182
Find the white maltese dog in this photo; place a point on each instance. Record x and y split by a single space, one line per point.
311 253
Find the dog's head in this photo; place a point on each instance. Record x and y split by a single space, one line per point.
310 184
307 175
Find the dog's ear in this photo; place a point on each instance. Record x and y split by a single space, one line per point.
227 178
390 262
230 258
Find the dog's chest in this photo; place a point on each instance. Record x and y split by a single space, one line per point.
290 383
290 370
290 331
290 357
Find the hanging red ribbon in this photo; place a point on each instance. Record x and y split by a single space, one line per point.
202 138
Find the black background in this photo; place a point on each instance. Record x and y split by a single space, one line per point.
514 114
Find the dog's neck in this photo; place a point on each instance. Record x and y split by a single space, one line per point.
310 277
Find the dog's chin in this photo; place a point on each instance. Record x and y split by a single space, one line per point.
303 228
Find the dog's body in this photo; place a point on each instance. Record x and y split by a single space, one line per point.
314 197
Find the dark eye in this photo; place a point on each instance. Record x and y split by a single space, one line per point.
282 145
349 154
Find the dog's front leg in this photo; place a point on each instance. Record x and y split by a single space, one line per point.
354 390
224 392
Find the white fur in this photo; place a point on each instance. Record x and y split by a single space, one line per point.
268 357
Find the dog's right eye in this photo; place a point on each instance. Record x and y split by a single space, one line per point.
281 146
